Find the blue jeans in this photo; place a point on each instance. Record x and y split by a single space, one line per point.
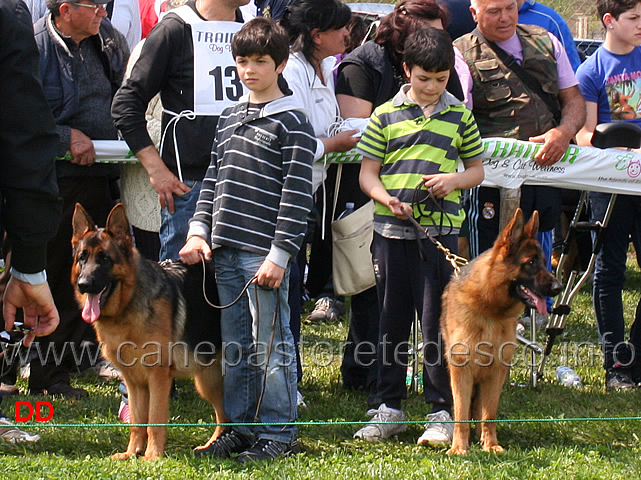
259 360
609 277
174 227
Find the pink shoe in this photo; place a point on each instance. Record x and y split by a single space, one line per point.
123 412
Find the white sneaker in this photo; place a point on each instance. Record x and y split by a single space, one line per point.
377 429
327 309
300 401
437 433
12 434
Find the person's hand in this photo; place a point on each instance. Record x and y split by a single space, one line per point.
442 184
193 249
343 141
270 275
167 185
164 182
399 209
81 148
39 311
555 143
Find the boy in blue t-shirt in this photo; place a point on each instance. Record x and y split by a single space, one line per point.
610 80
412 145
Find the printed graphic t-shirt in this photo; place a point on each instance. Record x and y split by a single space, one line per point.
613 82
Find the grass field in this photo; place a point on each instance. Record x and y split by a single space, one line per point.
538 449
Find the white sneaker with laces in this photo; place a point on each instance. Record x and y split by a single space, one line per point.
12 434
377 429
327 309
437 433
322 310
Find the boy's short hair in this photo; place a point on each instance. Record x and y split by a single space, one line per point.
429 48
614 7
261 36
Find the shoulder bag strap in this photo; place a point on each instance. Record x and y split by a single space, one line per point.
339 172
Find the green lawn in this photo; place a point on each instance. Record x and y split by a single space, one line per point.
551 450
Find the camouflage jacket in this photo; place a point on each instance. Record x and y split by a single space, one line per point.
503 105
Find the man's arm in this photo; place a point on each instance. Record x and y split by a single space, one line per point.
557 140
584 137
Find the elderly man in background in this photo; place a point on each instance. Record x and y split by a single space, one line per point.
82 63
524 88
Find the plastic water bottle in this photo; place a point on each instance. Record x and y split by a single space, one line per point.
409 378
349 209
568 377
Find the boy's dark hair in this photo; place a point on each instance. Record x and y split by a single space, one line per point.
303 16
429 48
261 36
614 7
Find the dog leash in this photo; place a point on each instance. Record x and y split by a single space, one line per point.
235 301
454 260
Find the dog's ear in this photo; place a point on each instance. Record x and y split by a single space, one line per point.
513 231
81 223
532 227
118 226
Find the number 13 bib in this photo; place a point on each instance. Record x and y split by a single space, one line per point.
216 82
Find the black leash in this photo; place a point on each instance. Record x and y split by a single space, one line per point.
236 300
422 205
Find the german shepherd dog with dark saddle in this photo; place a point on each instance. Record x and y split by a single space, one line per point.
152 321
480 311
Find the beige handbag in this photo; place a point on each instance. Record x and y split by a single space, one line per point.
352 268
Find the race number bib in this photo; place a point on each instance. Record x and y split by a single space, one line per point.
216 82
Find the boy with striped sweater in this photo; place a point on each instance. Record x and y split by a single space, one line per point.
252 210
411 149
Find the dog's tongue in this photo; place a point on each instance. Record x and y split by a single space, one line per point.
541 305
91 310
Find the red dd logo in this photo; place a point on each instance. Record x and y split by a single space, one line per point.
29 408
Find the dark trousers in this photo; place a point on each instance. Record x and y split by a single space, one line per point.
94 195
358 368
406 284
609 277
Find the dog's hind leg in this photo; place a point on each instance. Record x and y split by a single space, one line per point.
209 384
489 395
462 390
139 411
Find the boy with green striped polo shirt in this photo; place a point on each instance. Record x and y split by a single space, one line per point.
411 150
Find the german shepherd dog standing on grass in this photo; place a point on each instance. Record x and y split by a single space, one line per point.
152 321
480 311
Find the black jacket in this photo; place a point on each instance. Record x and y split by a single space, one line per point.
166 66
28 141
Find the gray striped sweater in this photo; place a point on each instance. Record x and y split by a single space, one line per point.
258 189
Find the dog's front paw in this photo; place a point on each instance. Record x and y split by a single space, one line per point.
150 457
457 451
122 456
493 448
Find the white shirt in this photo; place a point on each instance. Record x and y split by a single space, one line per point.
318 101
126 19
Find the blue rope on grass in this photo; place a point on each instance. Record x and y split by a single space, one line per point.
316 423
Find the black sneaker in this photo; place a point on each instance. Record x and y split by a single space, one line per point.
266 449
619 379
229 442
